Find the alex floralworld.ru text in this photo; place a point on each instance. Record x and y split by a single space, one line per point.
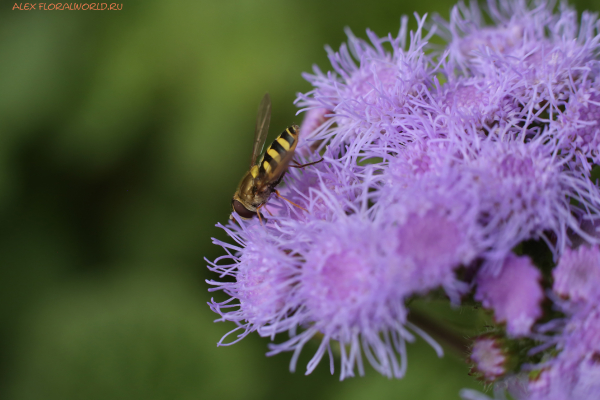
67 6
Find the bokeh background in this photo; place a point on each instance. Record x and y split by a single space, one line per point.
123 135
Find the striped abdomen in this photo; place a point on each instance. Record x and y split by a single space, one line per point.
279 153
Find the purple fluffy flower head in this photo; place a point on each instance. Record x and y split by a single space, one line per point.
515 294
264 277
577 275
579 124
462 173
575 372
350 291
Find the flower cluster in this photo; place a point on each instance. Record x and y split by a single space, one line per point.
440 164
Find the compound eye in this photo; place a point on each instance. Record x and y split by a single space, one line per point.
241 210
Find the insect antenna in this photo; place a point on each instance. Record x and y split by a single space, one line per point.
304 165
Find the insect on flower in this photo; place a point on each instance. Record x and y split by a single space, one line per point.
260 181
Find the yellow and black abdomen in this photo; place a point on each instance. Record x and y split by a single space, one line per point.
279 154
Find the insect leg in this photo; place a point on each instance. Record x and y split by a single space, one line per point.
258 213
289 201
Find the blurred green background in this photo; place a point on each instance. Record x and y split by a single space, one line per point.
123 135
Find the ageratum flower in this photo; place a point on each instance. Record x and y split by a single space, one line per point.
436 221
525 191
543 53
341 278
579 126
575 372
264 278
462 171
515 294
478 101
489 358
368 92
351 290
577 275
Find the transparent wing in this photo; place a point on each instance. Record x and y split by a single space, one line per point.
263 180
262 127
282 165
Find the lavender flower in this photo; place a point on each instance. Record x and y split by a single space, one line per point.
441 167
575 372
435 219
488 357
515 294
579 125
264 278
369 99
577 275
351 290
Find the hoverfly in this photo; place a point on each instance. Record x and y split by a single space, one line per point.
260 181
